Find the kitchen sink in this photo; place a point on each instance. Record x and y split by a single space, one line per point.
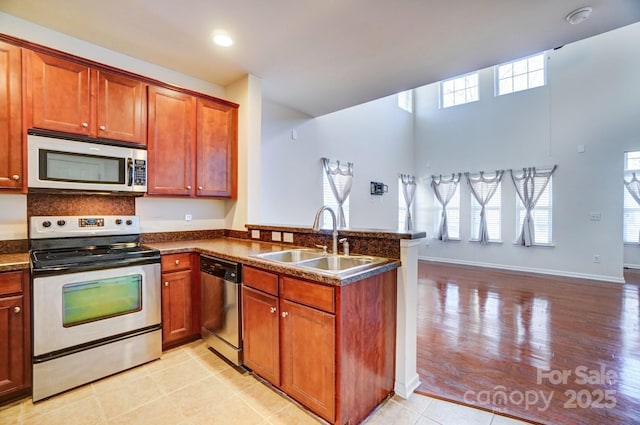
337 263
291 256
321 262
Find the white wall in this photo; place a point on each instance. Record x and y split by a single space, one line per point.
591 99
376 136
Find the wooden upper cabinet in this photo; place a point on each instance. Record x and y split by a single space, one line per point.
58 93
216 149
73 98
121 108
12 174
171 140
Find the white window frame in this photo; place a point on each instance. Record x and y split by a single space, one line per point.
460 90
453 215
493 212
329 200
520 74
405 100
631 209
544 207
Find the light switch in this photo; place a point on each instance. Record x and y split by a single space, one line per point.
276 236
288 237
255 234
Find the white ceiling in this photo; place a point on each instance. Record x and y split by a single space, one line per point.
319 56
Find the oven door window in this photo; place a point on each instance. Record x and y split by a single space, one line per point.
86 302
81 168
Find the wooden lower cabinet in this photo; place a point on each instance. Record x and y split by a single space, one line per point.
180 300
261 334
334 347
15 349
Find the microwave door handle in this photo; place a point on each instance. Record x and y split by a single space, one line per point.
130 171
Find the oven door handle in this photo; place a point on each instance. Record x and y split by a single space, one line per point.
130 171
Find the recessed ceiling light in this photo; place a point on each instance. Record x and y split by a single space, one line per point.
579 15
222 40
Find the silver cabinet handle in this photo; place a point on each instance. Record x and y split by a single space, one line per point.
199 187
177 262
15 177
285 314
272 309
103 127
85 125
16 309
188 187
166 284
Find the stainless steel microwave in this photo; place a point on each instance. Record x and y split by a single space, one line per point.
56 164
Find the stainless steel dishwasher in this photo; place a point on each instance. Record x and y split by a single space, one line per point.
221 311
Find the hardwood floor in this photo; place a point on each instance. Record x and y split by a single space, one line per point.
546 349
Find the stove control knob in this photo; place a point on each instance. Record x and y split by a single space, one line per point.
129 222
46 224
61 222
118 221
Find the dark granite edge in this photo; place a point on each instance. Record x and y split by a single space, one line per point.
365 233
14 261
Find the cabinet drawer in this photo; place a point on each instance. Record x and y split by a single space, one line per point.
307 293
175 262
10 282
260 280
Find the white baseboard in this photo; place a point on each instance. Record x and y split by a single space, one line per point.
603 278
405 390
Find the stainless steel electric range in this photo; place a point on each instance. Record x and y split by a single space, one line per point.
96 300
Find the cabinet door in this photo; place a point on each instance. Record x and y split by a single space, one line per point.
171 139
121 108
216 149
261 334
176 306
12 348
11 172
58 92
308 357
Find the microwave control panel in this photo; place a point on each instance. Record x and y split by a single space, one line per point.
140 172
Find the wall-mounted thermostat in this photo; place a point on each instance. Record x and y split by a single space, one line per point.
378 188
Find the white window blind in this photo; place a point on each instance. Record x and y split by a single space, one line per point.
631 219
459 90
453 215
521 74
493 211
542 215
330 201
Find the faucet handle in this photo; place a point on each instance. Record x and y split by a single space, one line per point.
324 248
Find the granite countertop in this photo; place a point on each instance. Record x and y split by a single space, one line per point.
244 251
9 262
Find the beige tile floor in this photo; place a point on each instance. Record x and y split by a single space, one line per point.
191 386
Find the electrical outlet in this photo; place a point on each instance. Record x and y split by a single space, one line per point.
596 258
596 216
276 236
188 217
255 234
287 237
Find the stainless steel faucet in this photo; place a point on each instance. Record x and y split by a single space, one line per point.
334 234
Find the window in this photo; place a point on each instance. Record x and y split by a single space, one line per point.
541 216
453 215
330 201
405 100
521 74
493 211
459 90
631 220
